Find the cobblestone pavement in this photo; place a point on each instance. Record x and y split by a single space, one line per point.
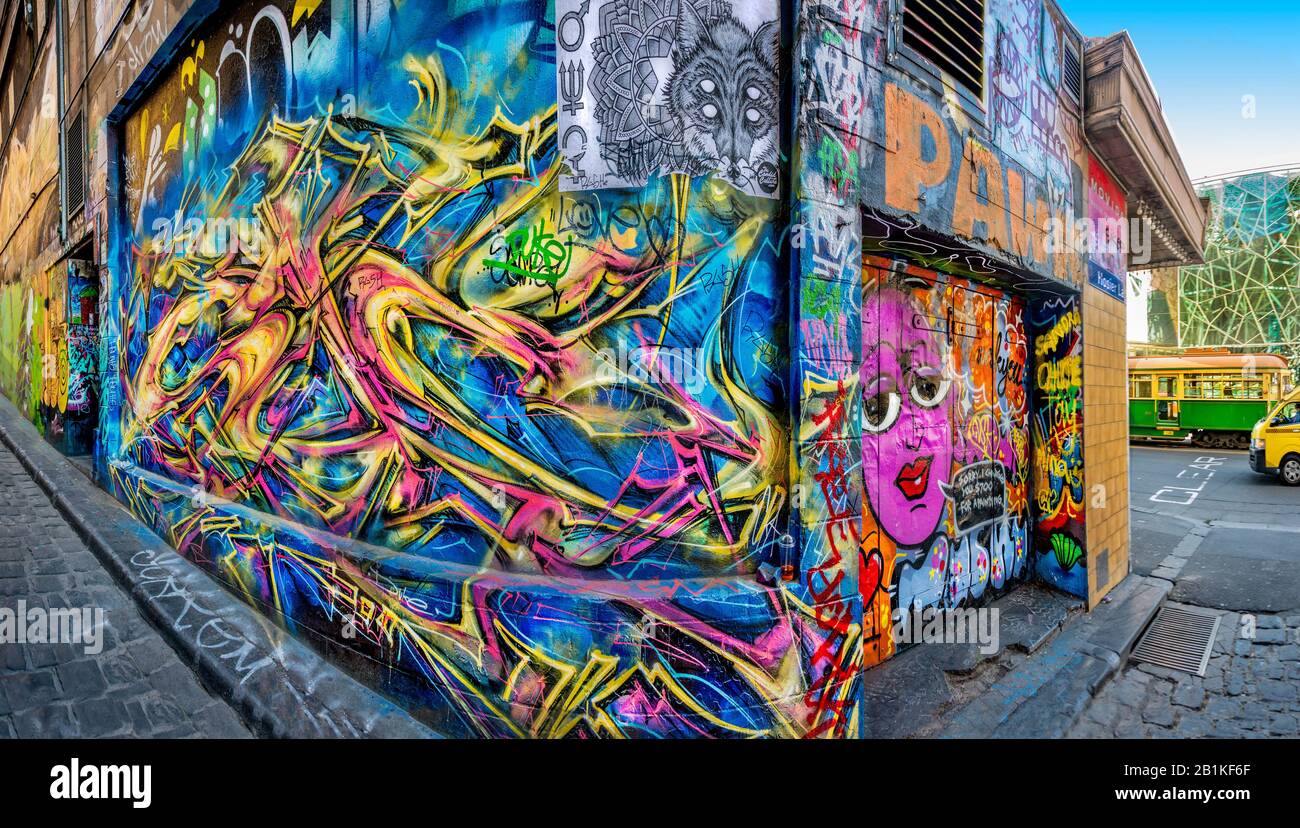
136 686
1251 689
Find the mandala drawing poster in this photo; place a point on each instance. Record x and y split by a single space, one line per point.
648 87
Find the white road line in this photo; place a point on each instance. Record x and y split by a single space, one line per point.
1254 527
1145 510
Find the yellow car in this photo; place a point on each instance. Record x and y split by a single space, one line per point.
1275 442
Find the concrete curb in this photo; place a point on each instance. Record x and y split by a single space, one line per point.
278 685
1119 621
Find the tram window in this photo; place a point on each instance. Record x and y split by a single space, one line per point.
1166 387
1210 387
1141 387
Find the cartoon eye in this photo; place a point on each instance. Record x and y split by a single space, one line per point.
708 86
880 411
753 92
752 115
710 111
929 392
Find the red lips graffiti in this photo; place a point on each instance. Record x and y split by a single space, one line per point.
914 478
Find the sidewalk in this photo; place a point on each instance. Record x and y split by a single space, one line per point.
1054 659
136 686
181 655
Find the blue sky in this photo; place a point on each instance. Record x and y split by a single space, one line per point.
1203 58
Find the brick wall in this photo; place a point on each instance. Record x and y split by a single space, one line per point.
1105 418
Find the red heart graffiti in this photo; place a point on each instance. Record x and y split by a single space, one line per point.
869 577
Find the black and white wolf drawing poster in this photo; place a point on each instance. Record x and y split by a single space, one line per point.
648 87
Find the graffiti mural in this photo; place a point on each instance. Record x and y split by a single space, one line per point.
945 439
526 449
20 361
52 374
1032 119
561 369
79 398
965 184
970 192
29 225
668 86
1057 425
832 101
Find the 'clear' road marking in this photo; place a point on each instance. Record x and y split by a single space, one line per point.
1202 468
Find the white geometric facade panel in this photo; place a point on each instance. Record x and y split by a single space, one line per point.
1247 294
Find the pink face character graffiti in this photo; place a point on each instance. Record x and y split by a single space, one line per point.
906 435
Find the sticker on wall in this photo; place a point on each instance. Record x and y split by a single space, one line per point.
648 87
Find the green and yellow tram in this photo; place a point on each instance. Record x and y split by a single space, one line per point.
1215 399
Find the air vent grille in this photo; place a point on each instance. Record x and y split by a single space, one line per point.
950 35
1072 72
74 165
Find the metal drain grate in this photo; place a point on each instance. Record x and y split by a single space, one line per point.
1179 639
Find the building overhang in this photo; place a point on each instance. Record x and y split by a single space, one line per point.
1127 130
905 237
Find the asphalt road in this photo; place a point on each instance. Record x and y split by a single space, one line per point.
1236 533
